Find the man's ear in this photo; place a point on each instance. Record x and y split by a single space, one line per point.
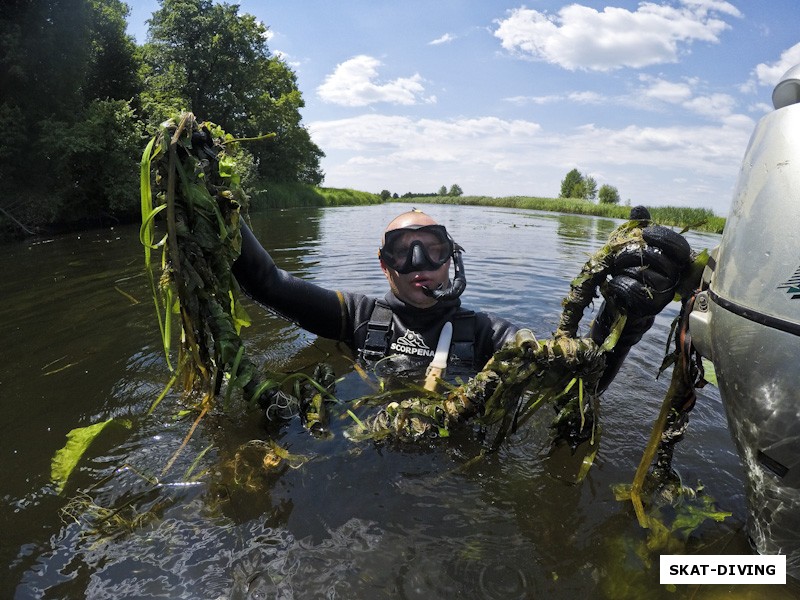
384 268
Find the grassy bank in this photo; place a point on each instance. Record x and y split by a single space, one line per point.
699 219
290 195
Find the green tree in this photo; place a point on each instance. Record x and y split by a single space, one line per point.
58 57
96 170
571 185
442 191
590 188
455 190
44 50
576 185
114 60
213 60
385 195
608 194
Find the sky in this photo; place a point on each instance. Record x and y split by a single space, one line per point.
658 99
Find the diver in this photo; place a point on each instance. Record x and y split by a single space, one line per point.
416 255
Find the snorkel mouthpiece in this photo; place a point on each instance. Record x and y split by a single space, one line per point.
457 285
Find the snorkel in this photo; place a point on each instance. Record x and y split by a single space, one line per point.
457 284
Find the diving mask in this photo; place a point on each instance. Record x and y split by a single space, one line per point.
417 248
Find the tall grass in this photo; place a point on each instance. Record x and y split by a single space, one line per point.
700 219
290 195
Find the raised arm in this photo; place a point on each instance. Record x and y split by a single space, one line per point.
643 282
314 308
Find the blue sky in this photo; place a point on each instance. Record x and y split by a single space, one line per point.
658 99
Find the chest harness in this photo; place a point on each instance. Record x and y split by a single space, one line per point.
380 334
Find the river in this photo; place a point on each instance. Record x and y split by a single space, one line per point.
343 519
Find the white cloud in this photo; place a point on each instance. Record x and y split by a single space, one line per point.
713 106
420 136
354 83
442 40
539 100
267 35
494 156
761 108
587 97
576 97
666 91
655 94
580 37
770 74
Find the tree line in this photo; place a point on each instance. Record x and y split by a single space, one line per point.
454 192
79 98
577 185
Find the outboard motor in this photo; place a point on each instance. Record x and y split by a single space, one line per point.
747 322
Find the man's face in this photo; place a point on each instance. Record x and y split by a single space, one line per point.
408 287
430 247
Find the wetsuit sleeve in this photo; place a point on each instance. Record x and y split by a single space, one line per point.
318 310
635 328
491 335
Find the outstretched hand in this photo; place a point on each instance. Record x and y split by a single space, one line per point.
644 278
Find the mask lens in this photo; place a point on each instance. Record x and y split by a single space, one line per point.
432 244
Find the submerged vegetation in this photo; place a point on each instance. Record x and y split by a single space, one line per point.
199 193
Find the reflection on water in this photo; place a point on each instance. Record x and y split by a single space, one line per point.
338 518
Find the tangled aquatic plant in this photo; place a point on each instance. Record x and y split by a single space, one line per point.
199 194
196 208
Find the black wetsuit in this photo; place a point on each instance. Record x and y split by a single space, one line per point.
351 318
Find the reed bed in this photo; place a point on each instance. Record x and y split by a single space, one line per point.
292 195
699 219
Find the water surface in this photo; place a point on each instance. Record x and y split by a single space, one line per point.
357 520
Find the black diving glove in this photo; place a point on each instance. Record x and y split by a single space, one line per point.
643 282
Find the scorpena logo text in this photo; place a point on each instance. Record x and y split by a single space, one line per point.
412 343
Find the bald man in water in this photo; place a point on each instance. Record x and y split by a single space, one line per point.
416 256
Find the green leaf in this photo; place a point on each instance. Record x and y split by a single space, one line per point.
710 373
694 513
226 166
239 314
146 230
78 441
615 333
